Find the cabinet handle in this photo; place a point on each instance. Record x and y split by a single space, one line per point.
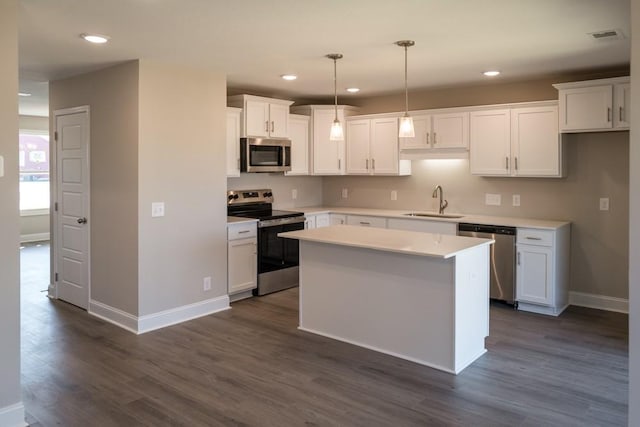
373 164
608 114
427 138
516 159
266 126
533 238
367 162
273 127
243 231
435 138
364 223
621 116
339 165
518 258
238 163
506 163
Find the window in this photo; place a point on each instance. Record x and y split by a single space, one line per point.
34 170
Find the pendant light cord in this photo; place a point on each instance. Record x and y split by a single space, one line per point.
406 88
335 86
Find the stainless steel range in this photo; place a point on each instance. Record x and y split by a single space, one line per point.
278 258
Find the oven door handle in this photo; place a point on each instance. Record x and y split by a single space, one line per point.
281 221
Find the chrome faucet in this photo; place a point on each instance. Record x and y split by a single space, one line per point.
443 204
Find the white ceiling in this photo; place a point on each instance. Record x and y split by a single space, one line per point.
255 41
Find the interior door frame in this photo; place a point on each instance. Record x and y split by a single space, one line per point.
53 212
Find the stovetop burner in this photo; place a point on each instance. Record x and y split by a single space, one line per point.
255 204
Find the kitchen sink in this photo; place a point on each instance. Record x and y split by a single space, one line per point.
432 215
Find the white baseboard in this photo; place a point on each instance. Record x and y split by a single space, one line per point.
12 416
113 315
35 237
181 314
601 302
151 322
541 309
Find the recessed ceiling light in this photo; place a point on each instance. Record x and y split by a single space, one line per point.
289 76
491 73
95 38
353 89
23 94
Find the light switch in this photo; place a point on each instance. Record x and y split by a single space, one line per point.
294 193
157 209
604 204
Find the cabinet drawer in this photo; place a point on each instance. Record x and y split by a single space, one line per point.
532 236
241 231
367 221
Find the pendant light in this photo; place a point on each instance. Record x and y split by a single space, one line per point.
406 122
337 133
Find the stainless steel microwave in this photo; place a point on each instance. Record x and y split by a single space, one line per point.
265 155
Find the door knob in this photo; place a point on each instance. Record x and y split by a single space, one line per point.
82 220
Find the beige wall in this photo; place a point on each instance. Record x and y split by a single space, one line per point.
37 123
597 167
309 188
10 393
634 234
181 162
112 95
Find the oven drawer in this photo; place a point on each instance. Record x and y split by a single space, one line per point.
241 231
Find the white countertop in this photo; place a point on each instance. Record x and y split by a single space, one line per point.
399 241
471 218
239 220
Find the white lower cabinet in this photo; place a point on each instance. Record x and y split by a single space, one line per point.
242 259
316 220
423 226
542 278
367 221
337 219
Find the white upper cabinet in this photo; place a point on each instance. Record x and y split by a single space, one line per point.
520 141
372 147
439 131
326 157
299 134
594 105
535 142
233 142
262 117
490 142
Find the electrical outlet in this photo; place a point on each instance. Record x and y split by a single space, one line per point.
492 199
516 200
294 193
604 204
394 195
157 209
206 283
345 193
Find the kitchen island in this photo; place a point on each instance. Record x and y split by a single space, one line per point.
418 296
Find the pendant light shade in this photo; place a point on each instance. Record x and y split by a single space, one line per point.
337 134
406 122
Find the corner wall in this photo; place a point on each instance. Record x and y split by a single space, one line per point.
11 408
634 225
182 163
112 95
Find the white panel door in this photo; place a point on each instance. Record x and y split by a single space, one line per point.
256 119
490 142
327 155
72 197
384 146
279 121
299 134
535 141
622 106
358 138
451 130
534 274
233 142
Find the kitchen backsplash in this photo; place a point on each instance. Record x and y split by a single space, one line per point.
308 188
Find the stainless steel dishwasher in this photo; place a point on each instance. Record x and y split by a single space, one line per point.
502 259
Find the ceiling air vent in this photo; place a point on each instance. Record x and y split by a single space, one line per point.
607 35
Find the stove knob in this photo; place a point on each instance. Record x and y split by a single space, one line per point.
235 197
269 194
230 197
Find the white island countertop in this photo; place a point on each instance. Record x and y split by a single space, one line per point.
382 239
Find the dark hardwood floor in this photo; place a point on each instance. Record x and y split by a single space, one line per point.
251 366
